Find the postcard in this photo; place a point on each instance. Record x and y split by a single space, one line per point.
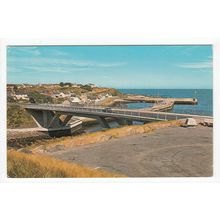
118 111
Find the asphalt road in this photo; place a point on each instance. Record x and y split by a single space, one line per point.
168 152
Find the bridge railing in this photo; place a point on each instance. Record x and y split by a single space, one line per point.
113 111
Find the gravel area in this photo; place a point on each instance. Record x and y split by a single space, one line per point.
167 152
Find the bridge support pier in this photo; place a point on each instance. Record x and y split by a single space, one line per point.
46 119
51 122
103 122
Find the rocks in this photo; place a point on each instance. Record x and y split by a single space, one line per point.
105 138
190 122
207 122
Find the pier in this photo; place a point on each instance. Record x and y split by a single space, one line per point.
178 101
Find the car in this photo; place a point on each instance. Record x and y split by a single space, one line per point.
108 109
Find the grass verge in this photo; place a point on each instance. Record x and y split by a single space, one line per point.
22 165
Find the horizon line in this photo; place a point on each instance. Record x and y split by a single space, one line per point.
101 86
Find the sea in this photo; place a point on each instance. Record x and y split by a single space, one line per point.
204 97
204 106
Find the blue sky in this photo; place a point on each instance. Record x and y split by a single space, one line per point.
146 67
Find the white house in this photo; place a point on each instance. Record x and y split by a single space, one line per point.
75 85
91 85
22 97
108 96
75 100
97 100
84 98
61 95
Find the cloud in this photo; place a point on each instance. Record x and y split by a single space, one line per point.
31 61
53 69
34 60
55 62
197 65
24 51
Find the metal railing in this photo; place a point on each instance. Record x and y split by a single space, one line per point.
117 112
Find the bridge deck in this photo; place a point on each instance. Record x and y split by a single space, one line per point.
113 112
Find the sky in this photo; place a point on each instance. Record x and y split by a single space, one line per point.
140 67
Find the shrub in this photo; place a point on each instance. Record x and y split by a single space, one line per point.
40 98
18 117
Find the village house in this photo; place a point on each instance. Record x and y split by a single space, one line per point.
75 85
97 100
21 97
91 85
108 96
75 100
84 98
60 95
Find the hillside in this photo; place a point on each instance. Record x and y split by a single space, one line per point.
46 93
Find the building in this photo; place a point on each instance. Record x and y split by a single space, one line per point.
75 100
61 95
21 97
91 85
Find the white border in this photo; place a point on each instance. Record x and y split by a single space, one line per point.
140 41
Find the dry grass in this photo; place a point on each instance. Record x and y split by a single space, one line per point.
22 165
102 136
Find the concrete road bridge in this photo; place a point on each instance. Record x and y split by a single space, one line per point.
56 117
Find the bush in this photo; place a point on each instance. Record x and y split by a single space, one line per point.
18 117
86 87
61 84
40 98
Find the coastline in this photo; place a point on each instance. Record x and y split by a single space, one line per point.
122 142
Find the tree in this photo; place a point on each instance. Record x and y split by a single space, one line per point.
15 88
61 84
86 87
68 84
